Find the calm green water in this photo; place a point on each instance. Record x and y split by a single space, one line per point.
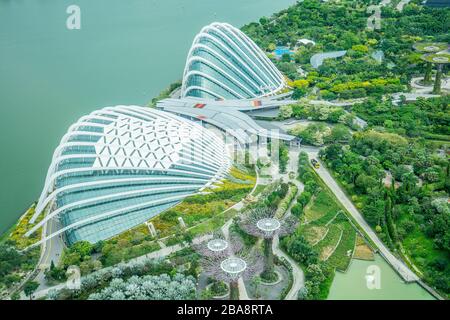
125 53
353 286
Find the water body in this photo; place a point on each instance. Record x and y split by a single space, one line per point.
352 285
125 53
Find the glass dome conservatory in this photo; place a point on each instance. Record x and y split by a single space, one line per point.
223 63
119 166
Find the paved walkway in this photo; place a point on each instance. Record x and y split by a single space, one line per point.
398 265
417 87
402 4
297 273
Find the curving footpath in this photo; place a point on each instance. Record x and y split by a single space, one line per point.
297 273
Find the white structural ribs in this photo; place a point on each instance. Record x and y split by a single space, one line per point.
117 154
223 63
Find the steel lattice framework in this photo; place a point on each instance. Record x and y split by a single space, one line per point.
223 63
120 166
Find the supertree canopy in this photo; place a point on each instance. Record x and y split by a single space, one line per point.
429 48
261 222
218 246
224 259
230 268
439 59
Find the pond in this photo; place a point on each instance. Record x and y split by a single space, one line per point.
353 285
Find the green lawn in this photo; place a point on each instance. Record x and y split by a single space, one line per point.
343 254
322 208
326 246
259 188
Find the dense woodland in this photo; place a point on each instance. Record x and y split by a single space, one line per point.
342 26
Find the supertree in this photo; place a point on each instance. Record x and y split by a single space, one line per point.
230 268
218 246
440 59
224 260
427 48
262 223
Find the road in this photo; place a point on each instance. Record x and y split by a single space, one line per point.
398 265
52 251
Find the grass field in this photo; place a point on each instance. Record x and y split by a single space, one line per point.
331 234
343 253
313 234
326 246
321 206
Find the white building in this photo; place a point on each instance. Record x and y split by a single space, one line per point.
120 166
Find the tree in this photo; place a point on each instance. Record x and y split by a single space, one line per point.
10 259
285 112
30 287
304 198
286 57
333 152
284 157
299 249
339 133
162 287
365 182
15 296
389 221
302 294
256 281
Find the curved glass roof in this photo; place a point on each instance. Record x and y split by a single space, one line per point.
120 166
223 63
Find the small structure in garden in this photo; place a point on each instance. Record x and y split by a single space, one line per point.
261 223
181 222
151 229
